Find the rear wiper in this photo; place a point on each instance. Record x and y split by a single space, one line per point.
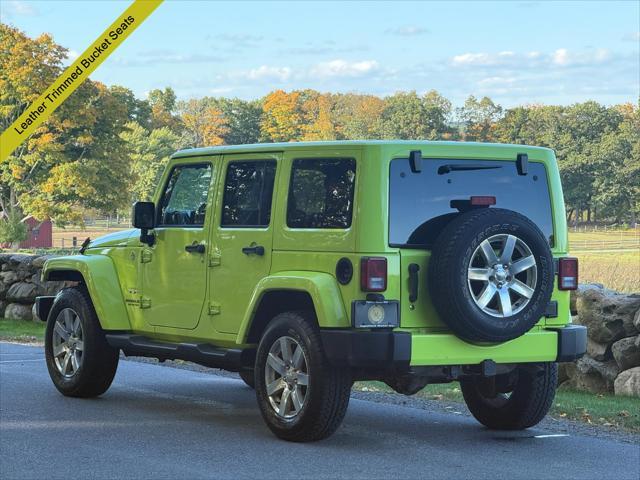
457 167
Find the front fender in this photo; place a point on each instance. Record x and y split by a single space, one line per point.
100 277
322 287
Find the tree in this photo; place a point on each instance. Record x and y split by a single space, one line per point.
281 118
617 185
243 120
204 123
163 104
12 230
410 117
478 118
149 154
318 123
75 157
359 117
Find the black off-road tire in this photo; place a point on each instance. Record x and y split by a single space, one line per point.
447 275
327 395
527 404
248 377
99 359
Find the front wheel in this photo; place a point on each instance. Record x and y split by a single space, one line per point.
301 397
513 401
80 361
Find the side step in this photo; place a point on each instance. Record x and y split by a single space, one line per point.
201 353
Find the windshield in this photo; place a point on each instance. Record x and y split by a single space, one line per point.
420 203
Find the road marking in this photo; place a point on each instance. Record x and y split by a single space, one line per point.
21 361
551 435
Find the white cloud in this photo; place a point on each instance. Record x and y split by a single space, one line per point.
343 68
564 57
473 59
14 8
561 57
265 72
72 54
407 31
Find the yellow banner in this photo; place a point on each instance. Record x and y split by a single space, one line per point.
74 75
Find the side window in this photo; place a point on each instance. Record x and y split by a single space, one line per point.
248 189
184 201
321 193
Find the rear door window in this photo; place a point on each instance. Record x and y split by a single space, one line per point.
420 203
321 193
248 192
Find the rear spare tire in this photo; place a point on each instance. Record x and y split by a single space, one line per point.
491 275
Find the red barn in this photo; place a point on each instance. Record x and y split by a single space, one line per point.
39 234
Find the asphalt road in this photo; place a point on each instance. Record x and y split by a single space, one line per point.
159 422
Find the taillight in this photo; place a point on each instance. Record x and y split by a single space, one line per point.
482 201
568 273
373 274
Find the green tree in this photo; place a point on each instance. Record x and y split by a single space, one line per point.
410 117
12 230
163 104
149 154
243 120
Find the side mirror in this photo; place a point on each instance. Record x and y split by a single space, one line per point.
143 216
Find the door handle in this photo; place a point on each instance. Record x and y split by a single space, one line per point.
195 248
254 250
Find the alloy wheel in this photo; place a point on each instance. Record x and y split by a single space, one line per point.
286 377
68 342
502 275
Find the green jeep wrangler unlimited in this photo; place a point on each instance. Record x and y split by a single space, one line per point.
307 266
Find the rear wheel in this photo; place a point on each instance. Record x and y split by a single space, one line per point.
512 402
301 397
80 361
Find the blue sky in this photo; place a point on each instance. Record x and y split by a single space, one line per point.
515 52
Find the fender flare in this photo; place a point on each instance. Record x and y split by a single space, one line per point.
322 287
100 277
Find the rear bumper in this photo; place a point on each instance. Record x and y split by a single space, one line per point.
399 350
367 349
572 343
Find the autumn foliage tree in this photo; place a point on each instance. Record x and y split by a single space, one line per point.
73 159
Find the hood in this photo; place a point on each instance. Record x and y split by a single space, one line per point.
116 239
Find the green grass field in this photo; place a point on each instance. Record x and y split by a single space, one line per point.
21 330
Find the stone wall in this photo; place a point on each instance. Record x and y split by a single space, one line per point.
612 362
20 285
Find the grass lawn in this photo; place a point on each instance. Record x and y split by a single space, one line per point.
605 410
21 330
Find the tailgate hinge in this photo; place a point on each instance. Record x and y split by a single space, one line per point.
214 308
